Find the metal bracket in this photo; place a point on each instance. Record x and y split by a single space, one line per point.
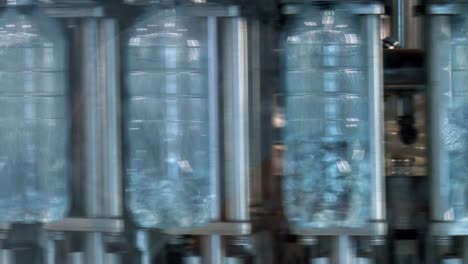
447 9
442 229
372 229
210 10
75 11
218 228
205 9
87 225
355 8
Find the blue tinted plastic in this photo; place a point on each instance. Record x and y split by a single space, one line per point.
326 182
34 160
167 141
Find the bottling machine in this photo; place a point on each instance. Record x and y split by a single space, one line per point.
99 81
232 131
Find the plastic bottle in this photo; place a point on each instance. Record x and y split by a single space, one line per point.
166 123
456 129
326 176
34 160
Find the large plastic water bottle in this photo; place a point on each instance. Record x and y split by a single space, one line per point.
455 132
327 159
167 141
34 121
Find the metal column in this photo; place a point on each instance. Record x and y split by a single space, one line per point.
343 251
143 245
7 256
110 125
92 153
212 245
371 28
407 27
75 258
101 107
236 118
213 250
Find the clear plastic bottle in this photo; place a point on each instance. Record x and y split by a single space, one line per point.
166 123
34 160
455 133
326 173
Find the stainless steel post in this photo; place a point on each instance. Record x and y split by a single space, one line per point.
94 243
319 261
50 251
407 27
51 248
143 245
363 261
371 28
112 258
75 258
212 250
439 87
343 250
234 260
192 260
7 256
94 248
109 89
236 118
214 108
91 111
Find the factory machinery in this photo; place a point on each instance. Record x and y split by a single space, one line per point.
233 132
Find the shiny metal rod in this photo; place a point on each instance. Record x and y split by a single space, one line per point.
192 260
319 261
93 72
52 244
95 250
90 87
50 252
234 260
343 250
376 133
212 247
236 118
214 108
75 258
407 27
111 258
7 256
143 245
440 83
212 250
110 102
